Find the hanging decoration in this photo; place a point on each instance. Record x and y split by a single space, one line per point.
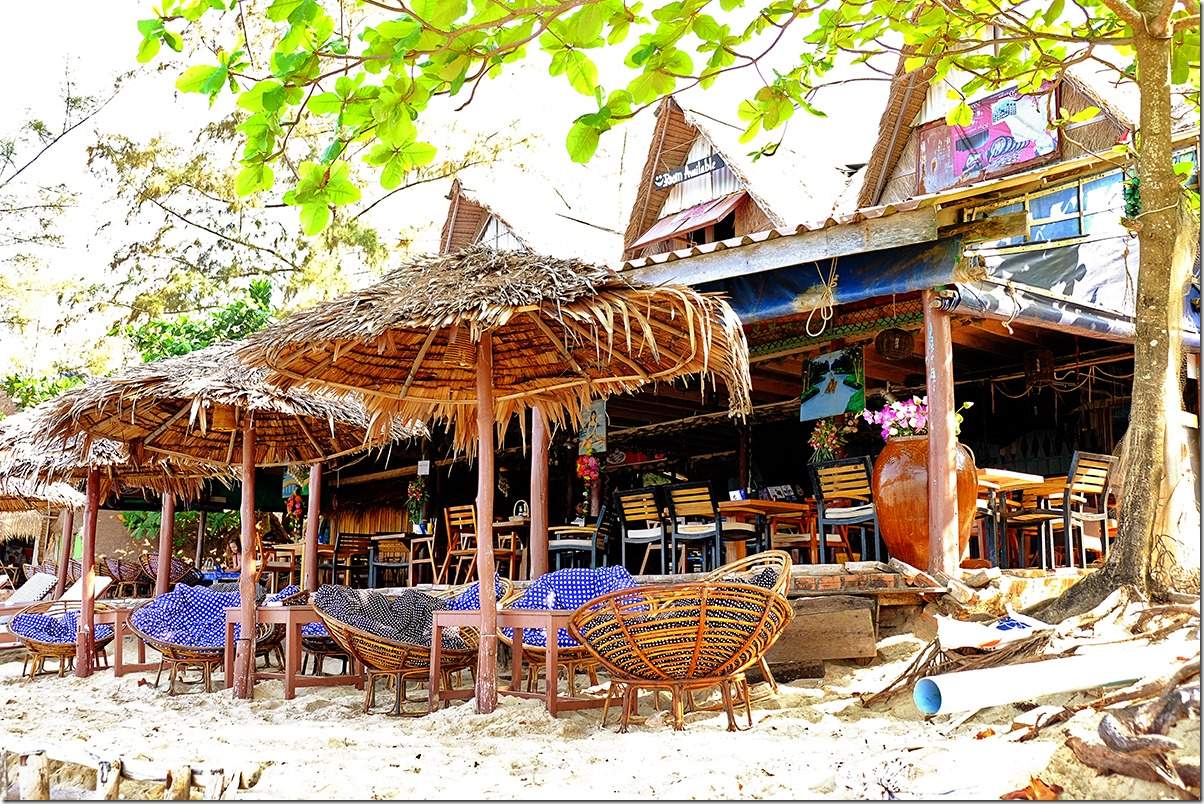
1039 368
894 344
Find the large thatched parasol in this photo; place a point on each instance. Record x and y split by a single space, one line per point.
475 337
19 494
209 406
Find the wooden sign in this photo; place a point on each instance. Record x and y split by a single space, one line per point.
689 170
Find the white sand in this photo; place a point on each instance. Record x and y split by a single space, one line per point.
814 740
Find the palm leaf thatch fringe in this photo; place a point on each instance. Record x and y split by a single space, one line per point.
564 333
25 453
20 494
193 407
21 525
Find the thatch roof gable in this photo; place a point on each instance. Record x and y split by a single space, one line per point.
20 494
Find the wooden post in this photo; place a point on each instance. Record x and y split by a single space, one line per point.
743 450
486 692
244 655
167 522
202 518
66 547
942 439
309 552
539 493
595 496
33 780
83 633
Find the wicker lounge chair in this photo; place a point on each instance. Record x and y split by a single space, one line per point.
178 656
179 570
402 662
47 630
769 570
126 576
564 590
680 639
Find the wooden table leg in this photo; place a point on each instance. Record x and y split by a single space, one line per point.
292 655
552 643
118 641
516 673
436 663
228 665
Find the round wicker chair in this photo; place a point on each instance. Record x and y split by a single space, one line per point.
680 639
745 570
180 658
125 575
64 652
401 662
75 571
179 569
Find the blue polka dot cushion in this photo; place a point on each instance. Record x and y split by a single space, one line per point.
567 590
284 593
59 630
190 616
470 598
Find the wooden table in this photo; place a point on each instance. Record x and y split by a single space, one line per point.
292 618
518 619
999 483
119 618
768 510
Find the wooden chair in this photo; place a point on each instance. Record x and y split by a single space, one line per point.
63 652
460 522
640 523
1074 506
843 500
351 558
574 541
694 519
387 555
75 571
422 554
282 566
680 639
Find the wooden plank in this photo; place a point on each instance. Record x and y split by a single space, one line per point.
828 627
891 231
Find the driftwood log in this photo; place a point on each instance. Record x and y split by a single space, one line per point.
34 778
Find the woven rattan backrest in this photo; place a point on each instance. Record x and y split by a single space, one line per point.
776 560
638 507
1090 472
691 500
846 479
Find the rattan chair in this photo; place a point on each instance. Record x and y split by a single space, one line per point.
401 662
126 576
63 652
75 571
179 570
747 569
180 658
680 639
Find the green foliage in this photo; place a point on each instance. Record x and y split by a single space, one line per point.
143 526
27 391
169 337
370 91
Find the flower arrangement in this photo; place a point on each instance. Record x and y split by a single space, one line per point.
907 418
830 435
416 498
294 507
588 468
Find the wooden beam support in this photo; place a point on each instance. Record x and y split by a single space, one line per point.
486 689
943 553
418 358
244 655
309 552
84 652
167 518
66 548
539 493
199 554
558 344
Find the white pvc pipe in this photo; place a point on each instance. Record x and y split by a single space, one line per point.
995 686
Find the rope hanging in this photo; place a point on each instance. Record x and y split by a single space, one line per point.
827 301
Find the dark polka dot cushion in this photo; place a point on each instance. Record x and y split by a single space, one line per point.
56 630
404 618
567 590
190 616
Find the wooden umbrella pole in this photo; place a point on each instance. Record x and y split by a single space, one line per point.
486 691
942 439
167 521
309 553
244 655
539 493
66 545
202 517
83 633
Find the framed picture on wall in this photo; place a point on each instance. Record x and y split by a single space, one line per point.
833 384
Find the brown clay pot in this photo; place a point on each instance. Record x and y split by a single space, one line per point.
900 487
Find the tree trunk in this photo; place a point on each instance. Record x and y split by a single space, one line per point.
1167 243
486 691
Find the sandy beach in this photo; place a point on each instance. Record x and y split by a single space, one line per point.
815 740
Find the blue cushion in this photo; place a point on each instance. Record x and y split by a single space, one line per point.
192 616
567 590
287 591
470 598
57 630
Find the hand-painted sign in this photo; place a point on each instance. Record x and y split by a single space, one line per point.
689 170
591 439
1008 130
834 384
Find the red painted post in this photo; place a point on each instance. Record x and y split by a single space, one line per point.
244 655
486 691
167 521
83 633
309 552
66 547
942 438
539 493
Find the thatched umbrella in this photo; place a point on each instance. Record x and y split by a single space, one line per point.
19 494
204 406
473 338
108 470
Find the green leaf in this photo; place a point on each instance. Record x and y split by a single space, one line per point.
393 173
195 78
314 218
148 49
326 103
280 10
1084 114
913 63
580 71
439 13
173 40
340 189
582 142
253 179
705 27
1054 12
960 115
